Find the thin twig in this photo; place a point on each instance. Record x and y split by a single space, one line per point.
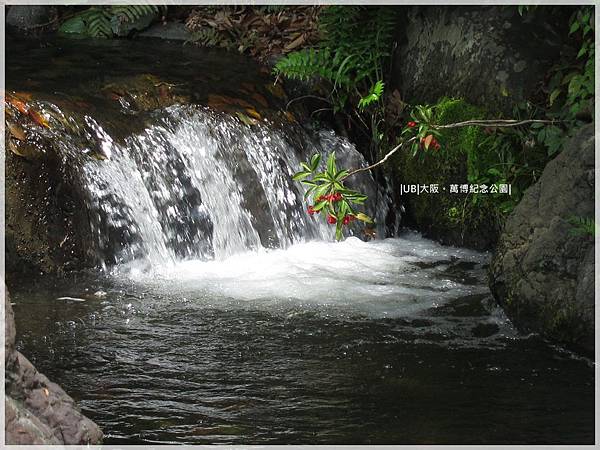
306 96
499 123
381 161
494 123
320 110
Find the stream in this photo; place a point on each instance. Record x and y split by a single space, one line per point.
220 312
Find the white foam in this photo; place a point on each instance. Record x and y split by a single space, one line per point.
378 278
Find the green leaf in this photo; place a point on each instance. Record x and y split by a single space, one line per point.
75 25
331 167
314 161
322 177
375 93
319 206
246 119
364 218
321 190
341 174
338 231
340 70
574 27
299 176
555 93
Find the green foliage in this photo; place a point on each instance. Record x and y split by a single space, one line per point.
355 46
446 213
329 194
422 127
582 226
571 87
374 95
105 21
92 22
471 155
306 64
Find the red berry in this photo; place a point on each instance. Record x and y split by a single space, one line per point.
311 210
331 219
411 124
346 220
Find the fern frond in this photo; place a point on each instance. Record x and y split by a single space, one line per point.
375 93
582 226
97 21
305 64
208 37
131 13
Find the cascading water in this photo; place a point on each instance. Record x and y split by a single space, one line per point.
198 184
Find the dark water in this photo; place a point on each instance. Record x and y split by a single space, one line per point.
162 360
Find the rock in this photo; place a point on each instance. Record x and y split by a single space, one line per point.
27 18
38 411
45 230
490 56
173 31
542 272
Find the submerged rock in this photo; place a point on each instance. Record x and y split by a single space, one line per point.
37 410
543 269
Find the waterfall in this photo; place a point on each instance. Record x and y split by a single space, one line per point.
197 184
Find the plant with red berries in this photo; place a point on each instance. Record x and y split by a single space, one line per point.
422 127
329 194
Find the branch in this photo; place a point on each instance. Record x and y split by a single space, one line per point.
323 99
500 123
381 161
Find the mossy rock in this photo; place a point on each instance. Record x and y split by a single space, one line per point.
452 218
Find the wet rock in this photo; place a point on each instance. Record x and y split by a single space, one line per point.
542 272
27 18
45 231
490 56
38 411
484 330
173 31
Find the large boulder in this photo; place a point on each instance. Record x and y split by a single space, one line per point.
542 272
491 56
28 19
38 411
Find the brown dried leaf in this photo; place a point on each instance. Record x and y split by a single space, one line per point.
296 43
16 130
38 118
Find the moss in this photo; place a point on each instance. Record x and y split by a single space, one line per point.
555 320
564 323
453 218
